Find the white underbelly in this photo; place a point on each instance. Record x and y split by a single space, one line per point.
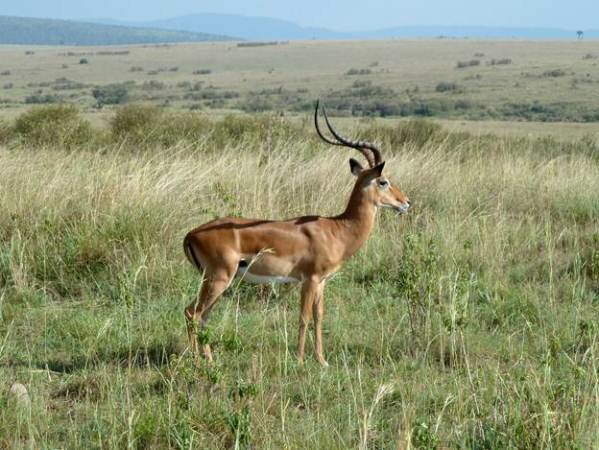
264 279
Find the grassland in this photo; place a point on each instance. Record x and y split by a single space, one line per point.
503 80
472 322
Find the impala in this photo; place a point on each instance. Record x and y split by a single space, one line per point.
306 250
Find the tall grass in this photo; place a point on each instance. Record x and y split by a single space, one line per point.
469 323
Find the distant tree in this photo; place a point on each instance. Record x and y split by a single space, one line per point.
580 34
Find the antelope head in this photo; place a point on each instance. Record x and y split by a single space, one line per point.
371 180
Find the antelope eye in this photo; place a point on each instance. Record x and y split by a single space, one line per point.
383 184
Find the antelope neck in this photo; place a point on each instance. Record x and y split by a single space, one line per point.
356 222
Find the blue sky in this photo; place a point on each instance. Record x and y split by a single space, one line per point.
335 14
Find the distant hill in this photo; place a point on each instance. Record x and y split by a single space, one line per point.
250 28
245 27
30 31
265 28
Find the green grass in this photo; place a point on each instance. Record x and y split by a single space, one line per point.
469 323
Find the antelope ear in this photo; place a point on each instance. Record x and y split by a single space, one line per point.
373 173
355 167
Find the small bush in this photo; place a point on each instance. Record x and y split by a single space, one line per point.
41 99
136 69
135 123
465 64
500 62
555 73
8 86
447 86
479 55
113 53
412 131
83 61
255 104
202 72
211 94
153 85
149 125
5 73
354 71
416 131
112 94
64 84
463 104
257 44
59 125
6 132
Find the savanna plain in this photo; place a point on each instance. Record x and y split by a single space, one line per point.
471 322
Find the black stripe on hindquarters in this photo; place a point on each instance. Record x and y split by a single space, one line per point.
193 256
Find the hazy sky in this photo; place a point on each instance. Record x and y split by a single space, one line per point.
336 14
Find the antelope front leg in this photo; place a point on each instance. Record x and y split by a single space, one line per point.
318 313
309 293
197 312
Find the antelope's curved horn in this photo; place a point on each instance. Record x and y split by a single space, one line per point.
322 136
370 151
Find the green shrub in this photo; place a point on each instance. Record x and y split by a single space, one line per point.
153 85
412 131
257 44
112 94
257 104
464 64
555 73
39 99
6 132
500 62
353 72
145 124
58 125
418 131
135 123
64 84
447 86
